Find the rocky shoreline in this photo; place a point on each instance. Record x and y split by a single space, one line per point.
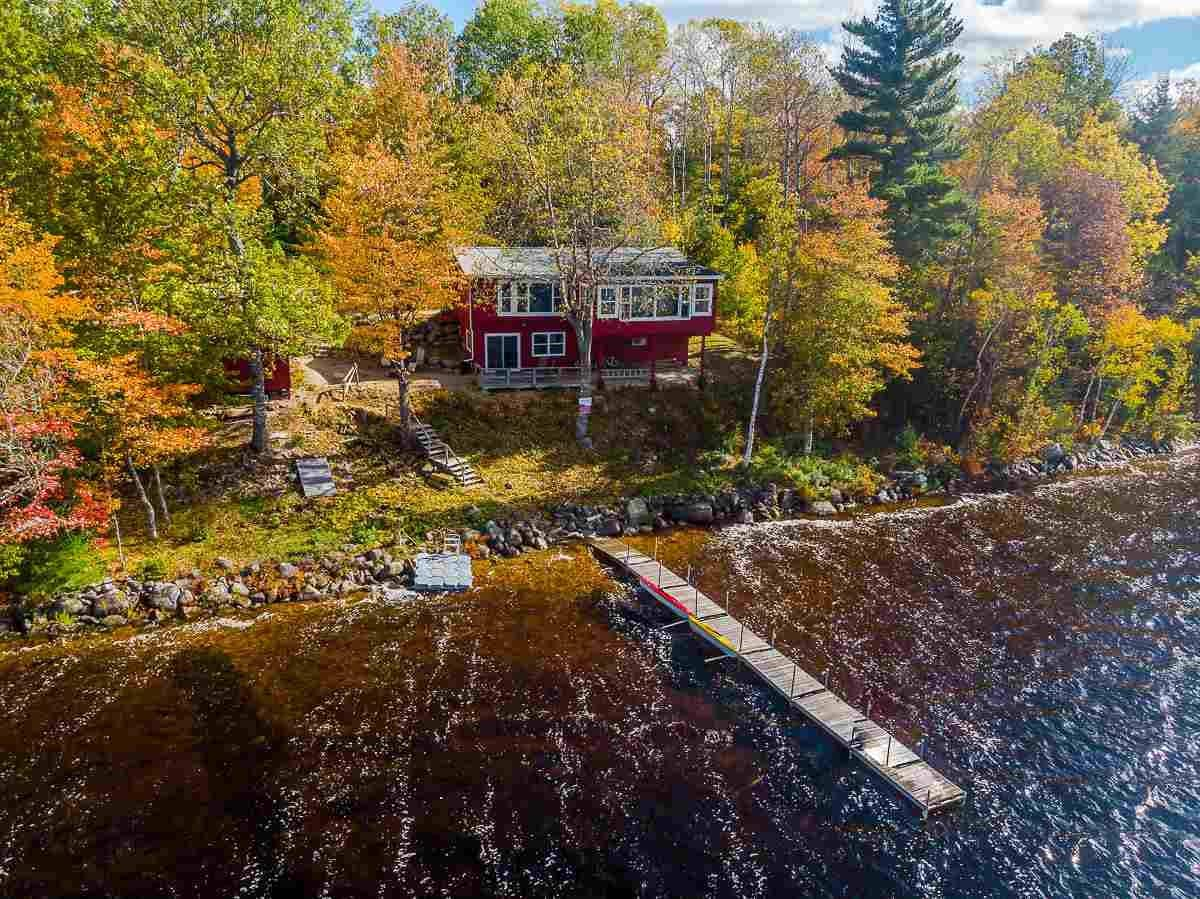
386 572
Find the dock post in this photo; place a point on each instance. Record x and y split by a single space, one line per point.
695 603
741 634
887 763
792 688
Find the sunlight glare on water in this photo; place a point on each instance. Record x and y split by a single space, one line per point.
542 736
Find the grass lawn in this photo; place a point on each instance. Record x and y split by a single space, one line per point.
228 503
522 445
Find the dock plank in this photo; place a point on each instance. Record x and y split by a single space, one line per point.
866 740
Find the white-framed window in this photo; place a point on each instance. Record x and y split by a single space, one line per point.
655 301
606 302
549 343
528 298
702 299
638 301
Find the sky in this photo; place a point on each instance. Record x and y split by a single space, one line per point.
1160 36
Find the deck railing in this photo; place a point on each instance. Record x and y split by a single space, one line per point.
544 377
528 378
617 376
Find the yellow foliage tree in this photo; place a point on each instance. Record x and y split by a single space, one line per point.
393 219
841 332
1149 362
1100 149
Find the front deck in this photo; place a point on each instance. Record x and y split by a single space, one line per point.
544 377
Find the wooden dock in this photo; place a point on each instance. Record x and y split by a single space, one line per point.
863 738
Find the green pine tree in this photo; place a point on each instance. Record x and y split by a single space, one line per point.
901 69
1153 118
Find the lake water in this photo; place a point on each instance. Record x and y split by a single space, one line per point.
542 737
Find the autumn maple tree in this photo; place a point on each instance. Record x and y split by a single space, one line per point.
841 334
393 219
139 425
41 494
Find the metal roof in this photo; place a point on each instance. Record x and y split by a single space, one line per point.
541 262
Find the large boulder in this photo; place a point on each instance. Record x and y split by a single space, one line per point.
165 597
71 605
822 507
698 513
637 512
609 527
1054 454
106 604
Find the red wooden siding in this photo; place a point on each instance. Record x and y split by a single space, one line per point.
279 378
611 338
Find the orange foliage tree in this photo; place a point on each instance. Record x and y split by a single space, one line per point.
393 219
139 424
40 492
832 321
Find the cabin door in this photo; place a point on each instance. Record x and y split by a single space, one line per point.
502 351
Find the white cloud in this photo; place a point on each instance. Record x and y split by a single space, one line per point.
989 29
1143 86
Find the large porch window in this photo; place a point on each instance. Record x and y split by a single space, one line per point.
528 298
641 302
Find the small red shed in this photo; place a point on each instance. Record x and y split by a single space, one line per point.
278 375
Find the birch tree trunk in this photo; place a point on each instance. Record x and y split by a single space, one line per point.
258 437
583 336
808 438
403 388
758 383
1087 394
1108 421
151 519
162 497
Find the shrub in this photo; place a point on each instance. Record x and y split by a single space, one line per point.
813 475
57 566
151 569
12 557
908 443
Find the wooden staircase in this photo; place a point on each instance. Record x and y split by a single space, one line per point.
436 450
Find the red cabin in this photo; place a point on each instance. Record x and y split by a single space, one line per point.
648 305
278 377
